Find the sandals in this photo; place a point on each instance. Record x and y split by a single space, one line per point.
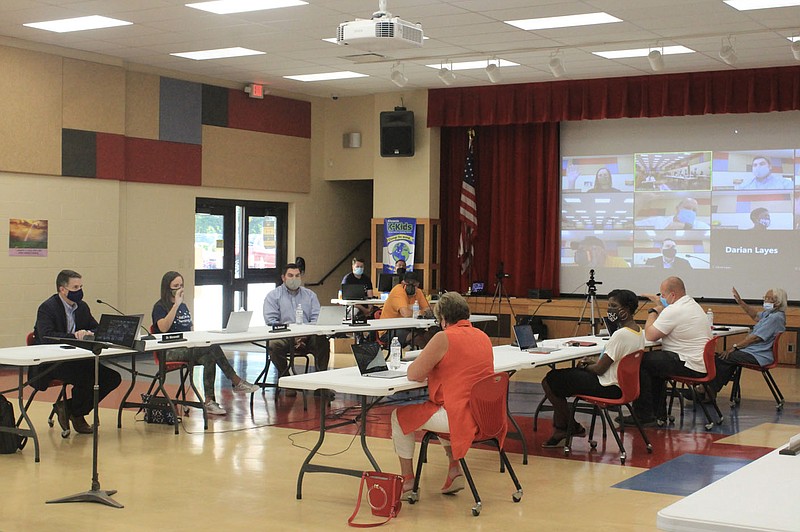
453 485
555 442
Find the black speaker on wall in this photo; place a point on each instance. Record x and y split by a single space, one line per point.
397 133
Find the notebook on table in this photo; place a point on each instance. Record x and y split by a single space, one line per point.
371 363
238 322
331 315
527 341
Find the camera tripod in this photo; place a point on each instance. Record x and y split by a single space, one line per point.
594 308
499 294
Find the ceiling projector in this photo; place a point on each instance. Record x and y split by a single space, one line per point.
381 32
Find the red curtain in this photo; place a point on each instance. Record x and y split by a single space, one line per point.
518 176
694 93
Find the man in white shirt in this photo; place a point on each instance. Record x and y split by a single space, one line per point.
764 179
681 325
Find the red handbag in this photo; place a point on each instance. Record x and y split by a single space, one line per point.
383 494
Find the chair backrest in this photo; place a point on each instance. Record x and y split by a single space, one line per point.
30 339
708 359
488 405
775 352
628 375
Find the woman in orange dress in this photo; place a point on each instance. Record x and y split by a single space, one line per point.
453 361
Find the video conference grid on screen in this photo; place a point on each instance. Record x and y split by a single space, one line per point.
686 213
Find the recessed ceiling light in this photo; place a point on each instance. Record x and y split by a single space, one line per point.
225 7
747 5
331 40
346 74
568 21
65 25
643 52
470 65
219 53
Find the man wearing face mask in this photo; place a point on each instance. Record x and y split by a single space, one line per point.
400 304
681 325
763 178
357 276
760 218
66 315
400 268
756 348
669 258
685 217
280 306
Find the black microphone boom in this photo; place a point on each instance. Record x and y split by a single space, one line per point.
540 306
147 335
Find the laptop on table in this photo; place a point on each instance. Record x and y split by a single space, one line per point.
527 341
118 330
238 322
371 363
354 292
331 315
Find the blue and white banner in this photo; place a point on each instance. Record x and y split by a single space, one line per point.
399 235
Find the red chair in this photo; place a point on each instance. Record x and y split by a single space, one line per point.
691 382
62 396
489 409
628 376
736 390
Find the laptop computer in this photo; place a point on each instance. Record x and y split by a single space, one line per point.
387 281
478 288
118 330
354 291
332 315
371 363
238 321
527 341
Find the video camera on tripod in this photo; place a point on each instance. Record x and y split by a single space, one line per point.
591 284
501 272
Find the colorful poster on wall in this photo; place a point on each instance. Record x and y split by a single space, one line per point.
27 238
399 235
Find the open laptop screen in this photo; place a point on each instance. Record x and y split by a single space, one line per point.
118 330
369 357
525 338
387 281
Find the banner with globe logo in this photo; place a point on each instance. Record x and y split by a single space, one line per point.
399 235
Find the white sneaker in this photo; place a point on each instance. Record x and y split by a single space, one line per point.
246 387
213 408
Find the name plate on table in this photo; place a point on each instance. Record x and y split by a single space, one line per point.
358 320
278 327
168 338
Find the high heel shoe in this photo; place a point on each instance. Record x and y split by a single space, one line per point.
453 484
408 489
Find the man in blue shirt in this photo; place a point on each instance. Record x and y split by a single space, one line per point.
280 306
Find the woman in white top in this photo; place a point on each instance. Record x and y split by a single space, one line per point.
594 378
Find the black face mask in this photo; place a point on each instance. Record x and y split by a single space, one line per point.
411 289
76 296
400 271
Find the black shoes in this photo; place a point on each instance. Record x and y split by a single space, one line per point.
62 415
80 425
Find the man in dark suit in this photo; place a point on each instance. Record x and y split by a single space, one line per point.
669 258
66 315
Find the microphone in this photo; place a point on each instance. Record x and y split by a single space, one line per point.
540 306
147 335
696 257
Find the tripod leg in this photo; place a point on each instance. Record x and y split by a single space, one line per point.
581 316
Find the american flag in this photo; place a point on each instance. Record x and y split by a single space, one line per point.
468 211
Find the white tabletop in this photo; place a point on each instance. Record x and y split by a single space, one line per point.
760 496
351 302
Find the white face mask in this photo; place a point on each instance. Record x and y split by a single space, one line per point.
293 283
768 305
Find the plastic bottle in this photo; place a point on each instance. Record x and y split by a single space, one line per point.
710 318
394 354
415 310
298 314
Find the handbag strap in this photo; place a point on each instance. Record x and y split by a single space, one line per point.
358 506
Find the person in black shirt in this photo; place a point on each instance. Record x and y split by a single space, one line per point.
358 276
66 315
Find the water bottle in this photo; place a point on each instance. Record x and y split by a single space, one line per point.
710 318
298 314
415 310
394 354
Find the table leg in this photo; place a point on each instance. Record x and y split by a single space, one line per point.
30 432
308 467
128 392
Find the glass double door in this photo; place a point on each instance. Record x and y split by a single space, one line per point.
239 247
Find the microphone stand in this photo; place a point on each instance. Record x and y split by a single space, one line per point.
95 494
